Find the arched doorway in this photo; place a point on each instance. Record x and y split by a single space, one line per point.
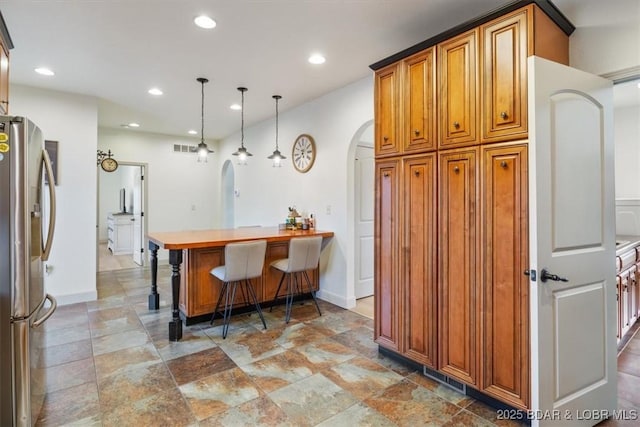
361 168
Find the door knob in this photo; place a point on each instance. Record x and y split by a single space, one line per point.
545 275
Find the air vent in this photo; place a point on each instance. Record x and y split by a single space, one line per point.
183 148
443 379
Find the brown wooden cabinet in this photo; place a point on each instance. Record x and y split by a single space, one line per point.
471 84
505 289
387 87
386 253
506 42
459 272
419 278
504 54
420 109
458 96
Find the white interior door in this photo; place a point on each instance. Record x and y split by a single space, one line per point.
572 235
138 226
364 208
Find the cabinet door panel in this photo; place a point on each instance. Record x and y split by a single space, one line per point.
504 78
458 74
505 306
419 280
459 264
386 111
387 310
420 118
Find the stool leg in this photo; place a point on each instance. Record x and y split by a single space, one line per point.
222 291
244 297
313 293
227 312
277 292
252 293
289 300
298 291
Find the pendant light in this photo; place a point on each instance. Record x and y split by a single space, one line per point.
203 151
276 156
242 152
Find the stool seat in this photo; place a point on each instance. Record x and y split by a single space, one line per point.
304 254
243 262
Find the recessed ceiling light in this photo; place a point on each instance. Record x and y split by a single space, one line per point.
236 107
155 91
44 71
192 132
317 59
203 21
133 125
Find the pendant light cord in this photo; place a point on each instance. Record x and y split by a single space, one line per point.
202 114
242 121
277 124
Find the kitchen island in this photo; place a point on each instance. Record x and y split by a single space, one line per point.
194 291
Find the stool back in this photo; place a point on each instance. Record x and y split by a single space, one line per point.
304 253
244 260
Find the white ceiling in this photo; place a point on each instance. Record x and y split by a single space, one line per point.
116 50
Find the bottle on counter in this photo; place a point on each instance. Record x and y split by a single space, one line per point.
312 222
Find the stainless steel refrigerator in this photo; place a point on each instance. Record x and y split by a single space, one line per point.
27 222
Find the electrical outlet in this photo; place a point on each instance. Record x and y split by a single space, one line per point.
193 207
328 210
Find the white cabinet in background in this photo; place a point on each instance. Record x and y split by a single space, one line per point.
120 232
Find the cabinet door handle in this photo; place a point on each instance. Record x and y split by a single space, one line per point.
503 164
416 172
504 115
385 138
416 132
386 174
456 125
456 169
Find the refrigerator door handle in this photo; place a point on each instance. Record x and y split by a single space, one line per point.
52 308
46 250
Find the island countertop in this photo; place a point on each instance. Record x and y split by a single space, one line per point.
193 239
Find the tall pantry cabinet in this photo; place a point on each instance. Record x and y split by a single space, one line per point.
451 233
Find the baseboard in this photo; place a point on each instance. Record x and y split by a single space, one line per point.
76 298
336 299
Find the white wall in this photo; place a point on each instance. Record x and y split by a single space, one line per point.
602 44
72 121
182 194
265 192
627 146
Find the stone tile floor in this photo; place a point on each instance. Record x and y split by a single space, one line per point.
109 363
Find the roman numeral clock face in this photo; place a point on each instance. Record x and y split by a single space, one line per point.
304 153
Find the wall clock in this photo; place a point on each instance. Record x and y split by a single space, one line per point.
304 153
109 164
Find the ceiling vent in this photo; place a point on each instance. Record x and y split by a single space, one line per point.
184 148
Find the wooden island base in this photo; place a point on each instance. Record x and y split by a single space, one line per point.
195 291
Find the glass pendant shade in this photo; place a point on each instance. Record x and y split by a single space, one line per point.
242 152
202 151
277 157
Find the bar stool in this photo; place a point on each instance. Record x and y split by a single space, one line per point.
304 254
243 261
